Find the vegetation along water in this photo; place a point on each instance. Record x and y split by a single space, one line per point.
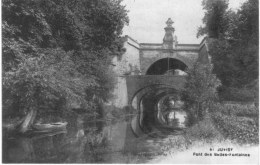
57 84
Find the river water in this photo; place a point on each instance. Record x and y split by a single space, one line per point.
103 143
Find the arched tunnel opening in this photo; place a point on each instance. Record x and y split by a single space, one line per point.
161 109
161 112
166 66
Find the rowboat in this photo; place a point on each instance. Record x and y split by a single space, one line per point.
47 128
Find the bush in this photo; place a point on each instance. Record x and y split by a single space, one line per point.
236 109
44 82
53 53
191 117
237 122
200 88
243 130
237 94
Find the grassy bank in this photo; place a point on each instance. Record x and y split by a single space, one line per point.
237 122
226 125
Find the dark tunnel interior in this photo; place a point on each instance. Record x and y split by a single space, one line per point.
150 120
161 66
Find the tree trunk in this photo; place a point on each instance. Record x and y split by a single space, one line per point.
28 121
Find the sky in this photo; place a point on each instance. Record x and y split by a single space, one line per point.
148 17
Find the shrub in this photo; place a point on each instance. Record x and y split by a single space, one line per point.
237 94
201 88
236 109
237 122
243 130
204 131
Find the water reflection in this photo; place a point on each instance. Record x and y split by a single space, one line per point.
85 142
177 119
170 112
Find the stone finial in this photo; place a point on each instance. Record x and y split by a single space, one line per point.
169 22
169 40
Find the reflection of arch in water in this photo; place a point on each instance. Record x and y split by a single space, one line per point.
163 65
140 124
146 91
155 93
165 110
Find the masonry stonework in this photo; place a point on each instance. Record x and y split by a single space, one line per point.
127 64
139 57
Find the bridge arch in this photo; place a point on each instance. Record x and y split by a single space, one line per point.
147 102
149 88
148 62
163 65
136 85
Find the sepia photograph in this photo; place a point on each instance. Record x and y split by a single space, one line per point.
130 81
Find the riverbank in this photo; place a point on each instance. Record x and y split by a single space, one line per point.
203 143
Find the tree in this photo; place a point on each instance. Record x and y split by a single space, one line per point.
42 81
59 51
234 49
214 19
200 88
248 42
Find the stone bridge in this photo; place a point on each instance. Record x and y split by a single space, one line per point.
154 66
149 72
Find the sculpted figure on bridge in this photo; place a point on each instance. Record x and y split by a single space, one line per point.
169 22
169 40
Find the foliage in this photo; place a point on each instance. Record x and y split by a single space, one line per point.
59 51
243 130
203 131
234 49
38 80
235 65
214 19
201 88
236 94
236 110
237 122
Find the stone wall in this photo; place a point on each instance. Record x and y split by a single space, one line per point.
127 64
204 56
139 57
